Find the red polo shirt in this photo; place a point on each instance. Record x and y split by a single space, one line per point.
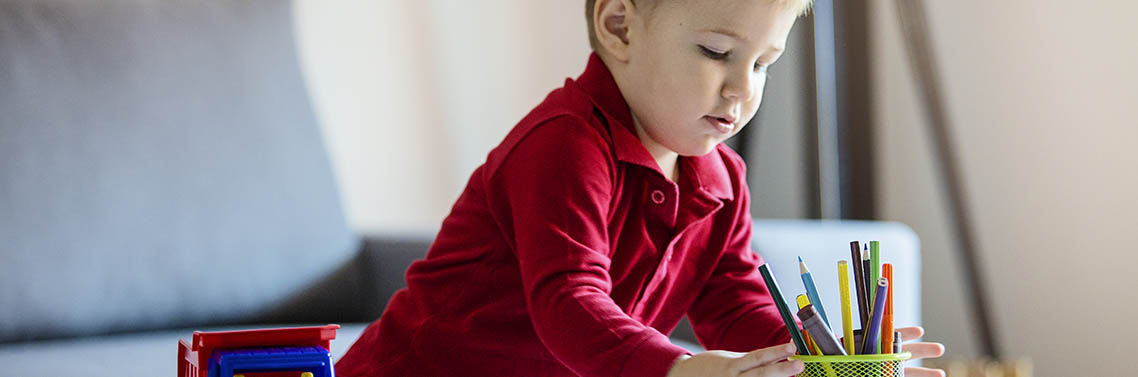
570 253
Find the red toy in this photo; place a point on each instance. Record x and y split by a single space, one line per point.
294 351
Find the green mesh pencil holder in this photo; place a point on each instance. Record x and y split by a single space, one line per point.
887 365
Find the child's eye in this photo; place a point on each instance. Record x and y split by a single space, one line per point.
715 55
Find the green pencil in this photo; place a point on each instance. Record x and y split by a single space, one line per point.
787 318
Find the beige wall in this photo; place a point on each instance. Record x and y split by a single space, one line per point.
413 94
1042 96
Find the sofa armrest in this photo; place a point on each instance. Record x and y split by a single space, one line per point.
384 259
358 290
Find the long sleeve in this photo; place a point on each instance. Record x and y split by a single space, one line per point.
556 186
735 311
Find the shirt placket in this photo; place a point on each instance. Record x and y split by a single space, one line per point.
662 201
701 205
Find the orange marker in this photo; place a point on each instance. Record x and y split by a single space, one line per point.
810 343
887 318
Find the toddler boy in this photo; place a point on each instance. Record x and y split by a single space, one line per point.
607 214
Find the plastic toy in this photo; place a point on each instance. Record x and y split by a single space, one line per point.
282 352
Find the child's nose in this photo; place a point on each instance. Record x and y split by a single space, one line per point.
741 87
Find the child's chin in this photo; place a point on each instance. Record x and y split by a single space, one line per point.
699 151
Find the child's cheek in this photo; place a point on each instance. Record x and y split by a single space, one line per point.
752 106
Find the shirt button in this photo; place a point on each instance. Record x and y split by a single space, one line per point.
657 197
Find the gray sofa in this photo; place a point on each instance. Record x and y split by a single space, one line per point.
161 171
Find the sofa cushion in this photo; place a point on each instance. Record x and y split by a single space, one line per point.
160 166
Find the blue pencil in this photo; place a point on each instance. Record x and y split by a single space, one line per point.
812 292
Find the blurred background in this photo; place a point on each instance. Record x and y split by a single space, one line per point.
1041 94
164 164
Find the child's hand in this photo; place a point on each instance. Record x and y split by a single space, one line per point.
920 350
767 362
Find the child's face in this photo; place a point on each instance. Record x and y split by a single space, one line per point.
696 69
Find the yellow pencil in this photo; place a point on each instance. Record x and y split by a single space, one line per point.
847 314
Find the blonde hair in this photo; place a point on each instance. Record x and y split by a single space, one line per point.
800 7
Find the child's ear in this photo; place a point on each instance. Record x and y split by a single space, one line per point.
611 21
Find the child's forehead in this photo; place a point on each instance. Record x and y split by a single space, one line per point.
742 19
734 14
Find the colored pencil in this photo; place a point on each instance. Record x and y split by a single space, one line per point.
874 264
812 292
869 282
787 318
859 285
847 313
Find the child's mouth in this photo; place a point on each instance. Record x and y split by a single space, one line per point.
722 125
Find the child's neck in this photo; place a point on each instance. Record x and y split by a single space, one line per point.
666 159
669 165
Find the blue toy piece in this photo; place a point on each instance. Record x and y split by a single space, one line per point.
280 352
314 360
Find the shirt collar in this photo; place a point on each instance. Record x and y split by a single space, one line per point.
707 172
597 82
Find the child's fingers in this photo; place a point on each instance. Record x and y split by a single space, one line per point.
911 333
921 350
762 357
923 372
780 369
